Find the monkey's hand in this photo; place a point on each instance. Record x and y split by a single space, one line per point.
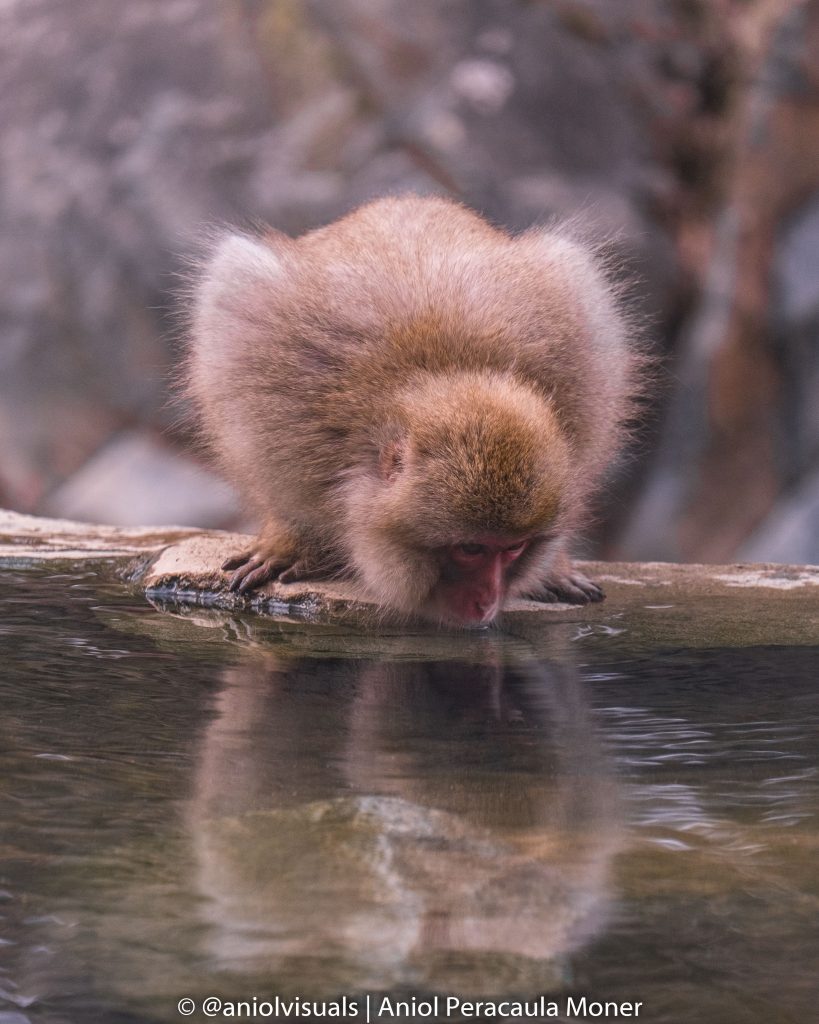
570 586
268 561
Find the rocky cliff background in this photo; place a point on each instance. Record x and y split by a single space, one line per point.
687 130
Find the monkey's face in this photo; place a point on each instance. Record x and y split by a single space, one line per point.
416 551
446 574
459 498
441 572
474 578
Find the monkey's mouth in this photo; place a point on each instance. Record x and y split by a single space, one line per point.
464 614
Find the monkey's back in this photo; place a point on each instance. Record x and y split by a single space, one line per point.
301 347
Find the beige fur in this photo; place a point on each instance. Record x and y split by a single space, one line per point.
406 378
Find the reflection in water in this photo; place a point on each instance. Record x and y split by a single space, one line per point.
178 821
402 822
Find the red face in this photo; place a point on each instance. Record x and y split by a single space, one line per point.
473 577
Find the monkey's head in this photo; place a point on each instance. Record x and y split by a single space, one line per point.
471 489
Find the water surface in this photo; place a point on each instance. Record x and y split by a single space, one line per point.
207 805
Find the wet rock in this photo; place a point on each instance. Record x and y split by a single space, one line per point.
179 571
686 604
30 539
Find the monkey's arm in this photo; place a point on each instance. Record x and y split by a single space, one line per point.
279 554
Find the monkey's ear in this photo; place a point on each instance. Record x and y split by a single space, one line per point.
391 459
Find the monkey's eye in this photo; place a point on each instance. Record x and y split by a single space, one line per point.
467 554
470 549
516 550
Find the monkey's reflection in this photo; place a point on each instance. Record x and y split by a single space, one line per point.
394 820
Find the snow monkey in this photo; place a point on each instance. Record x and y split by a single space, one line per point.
415 399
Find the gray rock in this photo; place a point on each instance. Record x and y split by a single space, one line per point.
129 127
124 131
795 325
135 480
791 532
796 267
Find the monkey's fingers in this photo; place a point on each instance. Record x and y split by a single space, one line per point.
243 570
268 570
236 560
255 571
574 589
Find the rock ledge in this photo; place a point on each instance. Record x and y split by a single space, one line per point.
179 566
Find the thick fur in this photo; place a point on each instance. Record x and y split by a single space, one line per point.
407 376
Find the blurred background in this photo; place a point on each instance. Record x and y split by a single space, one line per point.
686 129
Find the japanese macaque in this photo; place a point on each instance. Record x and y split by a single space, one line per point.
414 399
